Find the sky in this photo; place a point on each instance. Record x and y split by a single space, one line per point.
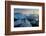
26 11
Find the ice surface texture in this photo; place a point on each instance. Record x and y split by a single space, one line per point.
21 20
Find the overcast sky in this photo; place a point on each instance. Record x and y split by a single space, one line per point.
26 11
